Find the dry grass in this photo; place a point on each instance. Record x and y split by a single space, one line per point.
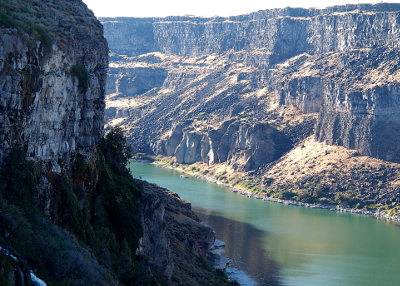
313 158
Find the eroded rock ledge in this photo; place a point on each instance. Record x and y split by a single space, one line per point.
175 241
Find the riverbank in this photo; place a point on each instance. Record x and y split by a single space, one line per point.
280 245
372 213
175 241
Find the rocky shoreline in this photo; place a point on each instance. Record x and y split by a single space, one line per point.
377 214
176 242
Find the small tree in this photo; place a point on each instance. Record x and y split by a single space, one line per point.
82 74
114 148
124 266
18 179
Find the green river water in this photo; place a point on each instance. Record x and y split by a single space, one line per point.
274 244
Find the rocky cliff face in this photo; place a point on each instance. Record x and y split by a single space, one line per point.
52 86
39 84
248 146
53 64
337 64
174 238
283 32
39 87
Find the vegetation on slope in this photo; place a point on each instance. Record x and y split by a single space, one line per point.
50 19
99 232
56 254
116 212
83 76
109 227
315 172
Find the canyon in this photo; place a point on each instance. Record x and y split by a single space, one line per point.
294 103
71 214
242 95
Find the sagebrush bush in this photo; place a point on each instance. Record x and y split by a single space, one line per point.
83 76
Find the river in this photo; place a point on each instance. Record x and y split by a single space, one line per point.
275 244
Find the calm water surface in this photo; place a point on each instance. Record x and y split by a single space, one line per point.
288 245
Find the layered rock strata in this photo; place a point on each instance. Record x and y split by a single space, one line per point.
283 32
44 110
338 64
52 87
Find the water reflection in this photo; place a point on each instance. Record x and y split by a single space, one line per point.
301 246
244 247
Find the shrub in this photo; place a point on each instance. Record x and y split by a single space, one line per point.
247 184
6 21
80 165
75 218
308 198
114 149
258 189
83 76
80 193
286 195
41 33
222 178
19 179
25 24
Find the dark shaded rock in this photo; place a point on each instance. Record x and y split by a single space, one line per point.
174 237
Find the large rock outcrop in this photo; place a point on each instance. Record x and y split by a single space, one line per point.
44 107
246 146
53 65
174 237
52 86
338 64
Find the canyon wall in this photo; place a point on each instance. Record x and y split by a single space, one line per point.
53 66
174 237
44 108
246 145
52 88
338 63
284 32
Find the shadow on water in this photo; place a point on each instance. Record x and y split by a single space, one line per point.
244 247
